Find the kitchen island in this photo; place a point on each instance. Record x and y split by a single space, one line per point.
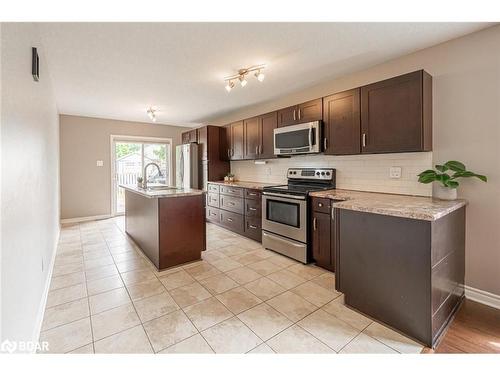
398 259
167 224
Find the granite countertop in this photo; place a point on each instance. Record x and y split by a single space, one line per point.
171 192
413 207
244 184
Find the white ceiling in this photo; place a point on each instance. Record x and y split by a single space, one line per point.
118 70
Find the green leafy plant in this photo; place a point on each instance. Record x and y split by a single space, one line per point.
458 170
230 175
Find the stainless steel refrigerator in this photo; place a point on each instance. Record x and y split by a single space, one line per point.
186 166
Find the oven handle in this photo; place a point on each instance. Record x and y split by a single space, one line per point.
264 234
297 198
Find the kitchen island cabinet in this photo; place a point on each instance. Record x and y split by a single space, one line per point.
168 226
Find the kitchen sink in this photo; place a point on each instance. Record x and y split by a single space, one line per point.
161 187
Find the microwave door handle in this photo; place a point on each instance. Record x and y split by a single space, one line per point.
310 136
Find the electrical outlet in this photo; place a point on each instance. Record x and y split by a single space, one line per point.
268 171
395 172
99 163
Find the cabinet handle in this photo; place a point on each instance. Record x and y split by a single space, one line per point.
232 152
256 150
252 226
320 204
364 139
229 219
231 203
299 114
325 143
252 194
314 224
252 209
260 149
294 118
333 213
228 153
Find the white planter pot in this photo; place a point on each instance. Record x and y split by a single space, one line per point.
441 192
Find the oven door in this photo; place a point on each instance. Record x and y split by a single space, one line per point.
285 215
297 139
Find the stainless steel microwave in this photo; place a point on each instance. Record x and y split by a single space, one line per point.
298 139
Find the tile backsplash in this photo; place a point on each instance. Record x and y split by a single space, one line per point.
354 172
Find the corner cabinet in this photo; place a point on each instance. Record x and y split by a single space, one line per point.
324 233
342 123
190 136
396 114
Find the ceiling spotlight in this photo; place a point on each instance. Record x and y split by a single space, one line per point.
242 74
229 86
259 75
151 113
243 80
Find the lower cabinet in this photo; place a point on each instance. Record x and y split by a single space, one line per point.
236 209
323 233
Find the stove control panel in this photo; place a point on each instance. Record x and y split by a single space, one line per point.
311 174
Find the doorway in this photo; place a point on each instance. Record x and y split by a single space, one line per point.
129 156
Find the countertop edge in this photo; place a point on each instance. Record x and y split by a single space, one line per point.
191 192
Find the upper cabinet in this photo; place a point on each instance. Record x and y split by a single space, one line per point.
342 129
396 114
305 112
267 124
190 136
252 138
235 140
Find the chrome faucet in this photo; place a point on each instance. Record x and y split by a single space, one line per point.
145 176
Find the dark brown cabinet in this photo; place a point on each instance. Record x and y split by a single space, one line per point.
235 140
268 123
342 123
252 137
396 114
190 136
238 209
323 234
305 112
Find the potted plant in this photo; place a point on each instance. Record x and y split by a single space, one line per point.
230 177
139 182
445 185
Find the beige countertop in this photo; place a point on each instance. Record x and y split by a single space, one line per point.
413 207
244 184
171 192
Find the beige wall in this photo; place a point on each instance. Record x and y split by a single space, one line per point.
466 90
86 188
30 183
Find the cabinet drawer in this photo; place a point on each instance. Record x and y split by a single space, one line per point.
232 221
212 188
234 191
213 200
213 214
253 208
233 204
321 205
253 228
253 194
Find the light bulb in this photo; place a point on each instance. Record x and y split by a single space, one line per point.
260 76
229 85
243 81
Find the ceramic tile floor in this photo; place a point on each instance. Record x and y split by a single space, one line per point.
105 297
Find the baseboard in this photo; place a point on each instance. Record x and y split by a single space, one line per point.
84 218
481 296
43 302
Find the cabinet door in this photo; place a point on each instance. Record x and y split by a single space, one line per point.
342 129
287 116
237 140
251 138
310 111
268 123
203 142
185 137
225 140
193 136
321 241
391 115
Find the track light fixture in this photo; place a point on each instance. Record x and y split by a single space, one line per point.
242 74
151 113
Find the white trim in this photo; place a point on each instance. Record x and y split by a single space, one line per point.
43 302
482 296
137 138
85 218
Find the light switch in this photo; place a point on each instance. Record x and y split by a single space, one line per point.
100 163
395 172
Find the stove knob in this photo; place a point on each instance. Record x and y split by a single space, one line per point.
317 173
322 173
328 173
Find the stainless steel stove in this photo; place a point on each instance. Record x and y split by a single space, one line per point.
286 210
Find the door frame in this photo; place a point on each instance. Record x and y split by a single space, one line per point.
139 139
